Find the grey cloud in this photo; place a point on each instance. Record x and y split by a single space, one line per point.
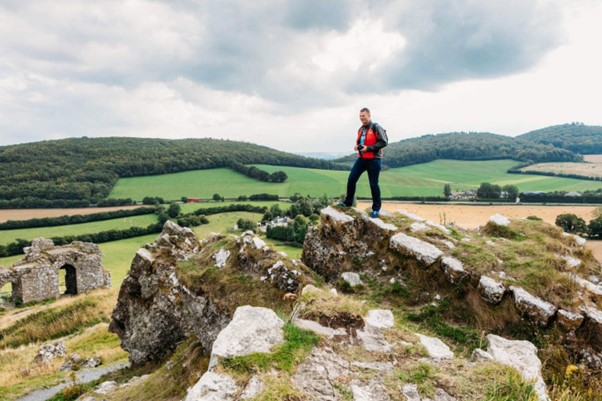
256 48
454 40
319 14
242 45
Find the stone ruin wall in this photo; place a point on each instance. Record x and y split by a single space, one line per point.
36 276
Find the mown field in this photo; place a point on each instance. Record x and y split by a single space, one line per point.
7 236
425 179
592 167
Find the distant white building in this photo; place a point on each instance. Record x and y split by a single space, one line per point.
463 195
277 222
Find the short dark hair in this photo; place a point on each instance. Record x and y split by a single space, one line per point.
367 110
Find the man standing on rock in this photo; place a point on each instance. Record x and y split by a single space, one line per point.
371 139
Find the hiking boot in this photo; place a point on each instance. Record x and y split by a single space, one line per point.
375 214
342 204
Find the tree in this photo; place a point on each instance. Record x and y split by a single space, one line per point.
299 228
246 224
571 223
278 176
184 199
447 190
595 227
276 211
174 210
489 191
217 197
243 198
511 190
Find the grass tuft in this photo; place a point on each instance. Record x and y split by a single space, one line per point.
297 344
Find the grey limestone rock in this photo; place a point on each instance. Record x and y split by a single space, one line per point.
421 250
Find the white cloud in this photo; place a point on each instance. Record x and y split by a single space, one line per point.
293 75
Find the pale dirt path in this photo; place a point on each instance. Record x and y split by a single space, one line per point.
473 216
25 214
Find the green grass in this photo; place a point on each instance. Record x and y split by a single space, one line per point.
425 179
9 236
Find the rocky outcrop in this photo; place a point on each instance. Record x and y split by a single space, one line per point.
49 352
179 287
419 251
156 310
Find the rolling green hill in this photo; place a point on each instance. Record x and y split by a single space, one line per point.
576 137
468 146
86 169
426 179
76 172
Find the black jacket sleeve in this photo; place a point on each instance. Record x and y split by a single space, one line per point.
381 142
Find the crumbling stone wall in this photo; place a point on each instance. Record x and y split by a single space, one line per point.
36 276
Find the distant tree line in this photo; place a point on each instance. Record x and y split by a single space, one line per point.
515 170
208 211
560 197
16 248
75 219
85 170
576 137
469 146
257 173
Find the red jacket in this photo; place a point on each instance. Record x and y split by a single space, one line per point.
376 140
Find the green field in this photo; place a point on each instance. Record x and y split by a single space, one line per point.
425 179
122 223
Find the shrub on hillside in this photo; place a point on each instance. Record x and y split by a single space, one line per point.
571 223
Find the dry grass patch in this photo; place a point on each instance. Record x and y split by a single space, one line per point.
529 252
170 382
58 319
332 310
19 374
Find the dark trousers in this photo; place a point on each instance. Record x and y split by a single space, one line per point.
372 166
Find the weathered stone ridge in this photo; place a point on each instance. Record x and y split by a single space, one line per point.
36 276
354 243
156 310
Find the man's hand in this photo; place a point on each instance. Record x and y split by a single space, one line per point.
360 148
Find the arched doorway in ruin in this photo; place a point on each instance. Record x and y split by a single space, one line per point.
69 281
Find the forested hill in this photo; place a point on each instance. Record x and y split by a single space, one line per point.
469 146
87 168
576 137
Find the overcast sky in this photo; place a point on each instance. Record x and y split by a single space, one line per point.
293 74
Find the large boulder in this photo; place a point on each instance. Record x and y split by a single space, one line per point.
521 355
425 252
252 330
